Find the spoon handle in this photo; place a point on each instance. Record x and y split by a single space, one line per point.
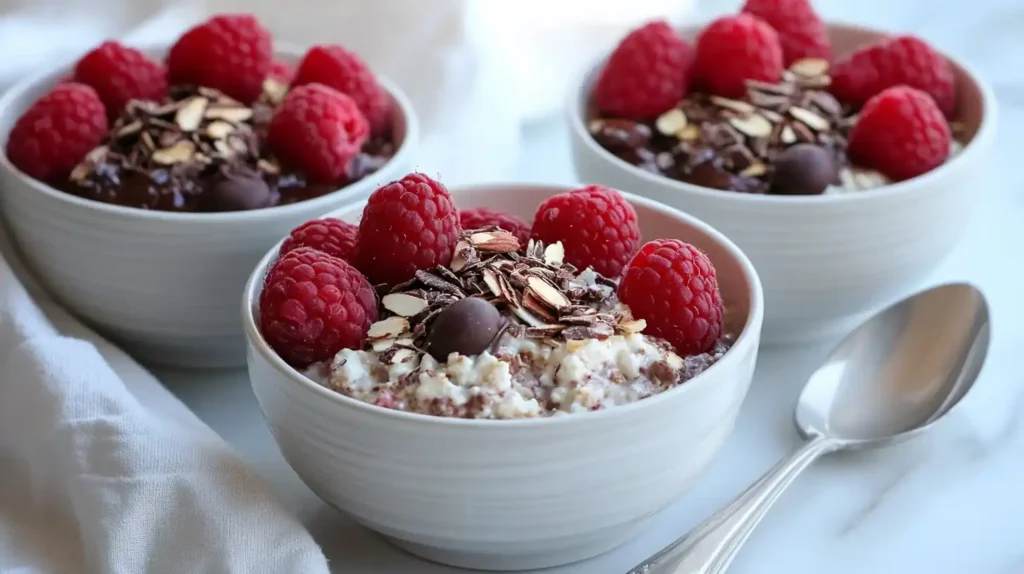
710 547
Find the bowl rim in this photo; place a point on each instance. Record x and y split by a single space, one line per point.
402 155
747 338
985 132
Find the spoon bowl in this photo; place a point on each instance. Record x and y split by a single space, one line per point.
901 371
889 380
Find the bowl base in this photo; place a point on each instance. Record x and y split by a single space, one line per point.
507 562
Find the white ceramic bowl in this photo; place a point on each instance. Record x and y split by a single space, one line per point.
163 285
518 494
825 260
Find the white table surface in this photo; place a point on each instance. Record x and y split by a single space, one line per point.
951 502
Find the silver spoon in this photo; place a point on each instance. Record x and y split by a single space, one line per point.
887 381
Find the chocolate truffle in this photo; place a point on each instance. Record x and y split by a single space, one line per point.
238 190
468 327
803 169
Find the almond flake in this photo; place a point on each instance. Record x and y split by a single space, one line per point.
190 115
460 256
810 119
690 133
595 126
674 361
734 105
219 130
528 317
274 90
223 148
633 326
754 125
403 304
268 166
810 67
498 241
98 154
491 280
788 136
554 254
81 171
671 122
507 292
130 129
388 328
382 345
232 114
546 292
537 307
396 355
755 169
177 153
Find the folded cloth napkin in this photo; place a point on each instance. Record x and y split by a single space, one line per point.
103 470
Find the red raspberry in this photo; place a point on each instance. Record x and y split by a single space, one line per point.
802 33
483 217
672 286
231 52
901 133
891 62
120 74
407 225
596 225
57 131
282 71
329 235
346 72
734 49
646 74
314 305
318 131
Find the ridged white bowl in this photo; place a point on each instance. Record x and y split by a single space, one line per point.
825 260
163 285
521 494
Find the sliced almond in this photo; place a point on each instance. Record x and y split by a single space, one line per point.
756 169
395 356
459 256
671 122
491 280
788 136
554 254
147 141
232 114
537 307
528 317
275 90
810 67
177 153
388 328
81 171
223 148
382 345
494 241
130 129
754 125
508 293
595 126
190 115
97 154
403 304
734 105
268 166
690 133
674 361
810 119
219 129
633 325
546 292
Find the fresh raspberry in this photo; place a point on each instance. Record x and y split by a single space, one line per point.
282 71
672 286
57 131
407 225
802 32
905 60
329 235
483 217
346 72
734 49
318 131
901 133
596 225
314 305
231 52
646 74
120 74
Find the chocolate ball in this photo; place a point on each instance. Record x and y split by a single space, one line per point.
803 169
238 191
467 327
